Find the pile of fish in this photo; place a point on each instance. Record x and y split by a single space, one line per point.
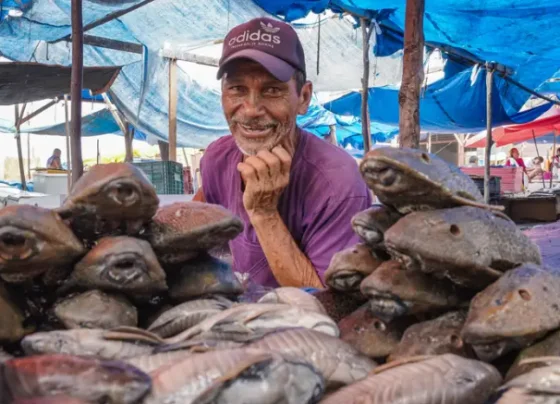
114 299
454 293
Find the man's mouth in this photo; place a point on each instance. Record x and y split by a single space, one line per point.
255 132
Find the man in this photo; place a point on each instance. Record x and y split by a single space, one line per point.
296 193
54 161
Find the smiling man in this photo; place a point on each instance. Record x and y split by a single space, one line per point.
295 192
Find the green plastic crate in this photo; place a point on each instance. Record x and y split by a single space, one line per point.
166 176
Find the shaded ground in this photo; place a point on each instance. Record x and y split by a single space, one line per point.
547 237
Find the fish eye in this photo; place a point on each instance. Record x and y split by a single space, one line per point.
378 325
456 340
525 295
454 230
425 157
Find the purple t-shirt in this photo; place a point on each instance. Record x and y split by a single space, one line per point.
325 191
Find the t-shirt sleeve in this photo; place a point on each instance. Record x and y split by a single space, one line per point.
207 186
329 230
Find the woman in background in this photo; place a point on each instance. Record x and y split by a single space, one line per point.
515 160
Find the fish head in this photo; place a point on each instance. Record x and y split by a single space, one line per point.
349 267
294 297
524 302
115 190
372 223
121 263
52 342
370 335
419 179
33 240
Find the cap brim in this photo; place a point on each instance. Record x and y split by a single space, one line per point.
280 69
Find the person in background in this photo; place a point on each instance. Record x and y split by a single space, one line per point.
473 161
515 160
556 159
535 169
295 193
54 161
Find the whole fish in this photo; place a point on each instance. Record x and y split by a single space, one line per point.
517 309
441 379
338 361
538 386
202 276
548 347
370 335
349 267
395 292
96 309
239 376
181 230
338 304
187 315
110 199
439 336
12 318
94 380
371 225
294 297
471 246
413 180
120 264
33 241
85 342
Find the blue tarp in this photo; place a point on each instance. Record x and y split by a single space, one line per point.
456 104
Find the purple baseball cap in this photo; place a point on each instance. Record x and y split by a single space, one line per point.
271 43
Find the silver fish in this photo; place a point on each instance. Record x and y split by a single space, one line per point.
294 297
538 386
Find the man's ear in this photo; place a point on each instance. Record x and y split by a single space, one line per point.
305 97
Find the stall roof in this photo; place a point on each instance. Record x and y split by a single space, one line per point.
28 82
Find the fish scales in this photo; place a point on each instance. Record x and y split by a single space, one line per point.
150 363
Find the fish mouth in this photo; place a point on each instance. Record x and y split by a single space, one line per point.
125 268
370 235
408 262
378 174
386 305
17 244
123 192
346 280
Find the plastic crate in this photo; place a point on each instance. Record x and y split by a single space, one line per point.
495 185
166 176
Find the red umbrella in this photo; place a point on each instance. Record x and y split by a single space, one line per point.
505 135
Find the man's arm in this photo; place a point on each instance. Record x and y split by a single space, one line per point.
265 176
199 196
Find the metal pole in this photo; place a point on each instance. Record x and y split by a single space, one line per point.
67 125
366 127
19 150
173 110
553 154
76 90
489 85
29 155
538 155
413 75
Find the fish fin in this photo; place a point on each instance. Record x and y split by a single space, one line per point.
400 362
232 327
539 359
125 333
209 394
470 202
259 311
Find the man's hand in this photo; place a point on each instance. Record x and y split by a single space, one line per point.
265 176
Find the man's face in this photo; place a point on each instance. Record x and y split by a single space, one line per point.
57 153
260 110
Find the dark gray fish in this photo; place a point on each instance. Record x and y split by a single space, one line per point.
110 199
94 380
441 379
395 292
181 230
439 336
372 223
121 264
203 276
473 247
338 305
33 241
349 267
519 308
96 309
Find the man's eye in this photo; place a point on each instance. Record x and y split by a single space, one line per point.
272 90
236 89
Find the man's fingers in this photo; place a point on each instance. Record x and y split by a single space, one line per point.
247 171
272 161
284 157
260 166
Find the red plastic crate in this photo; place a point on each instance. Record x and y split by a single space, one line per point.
511 177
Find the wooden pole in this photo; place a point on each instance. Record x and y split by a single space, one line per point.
128 136
538 154
366 127
68 153
173 110
489 142
19 150
429 142
413 75
163 150
76 90
332 135
29 155
554 133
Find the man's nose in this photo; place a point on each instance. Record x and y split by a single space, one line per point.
252 105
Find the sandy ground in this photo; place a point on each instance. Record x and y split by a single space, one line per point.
547 237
